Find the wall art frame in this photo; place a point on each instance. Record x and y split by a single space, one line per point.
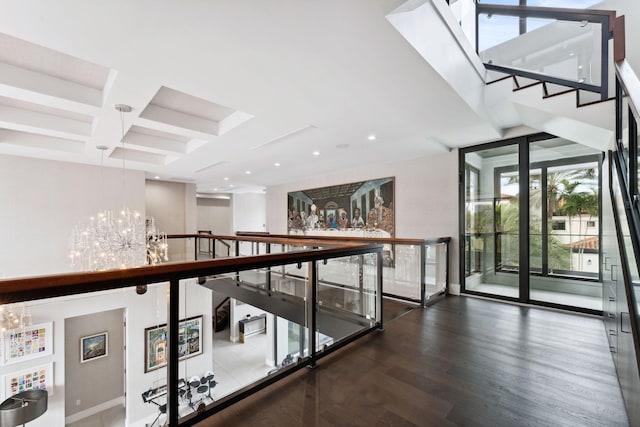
189 342
356 209
35 378
27 343
94 347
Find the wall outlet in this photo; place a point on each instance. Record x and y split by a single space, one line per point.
78 402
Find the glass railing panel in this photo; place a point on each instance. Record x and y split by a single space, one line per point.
634 122
624 127
436 269
401 271
199 376
74 347
224 248
347 297
568 50
571 4
625 231
284 282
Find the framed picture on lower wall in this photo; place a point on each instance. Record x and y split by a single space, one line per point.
189 342
26 343
94 347
36 378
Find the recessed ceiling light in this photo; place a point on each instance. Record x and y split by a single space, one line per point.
276 164
215 189
579 67
226 178
247 172
157 177
371 137
231 185
316 153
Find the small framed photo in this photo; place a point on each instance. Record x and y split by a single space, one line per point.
94 347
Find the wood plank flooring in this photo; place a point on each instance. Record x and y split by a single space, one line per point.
461 362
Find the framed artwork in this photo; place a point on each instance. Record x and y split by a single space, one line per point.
26 343
36 378
353 209
189 342
94 347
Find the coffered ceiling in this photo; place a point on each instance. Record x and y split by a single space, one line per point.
231 95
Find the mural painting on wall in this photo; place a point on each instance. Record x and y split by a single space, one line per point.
362 208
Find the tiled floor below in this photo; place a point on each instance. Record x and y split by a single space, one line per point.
235 366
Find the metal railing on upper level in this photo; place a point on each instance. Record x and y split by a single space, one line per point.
561 46
415 270
622 297
173 307
566 47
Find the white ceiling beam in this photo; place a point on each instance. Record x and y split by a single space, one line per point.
155 144
39 84
180 122
36 122
42 142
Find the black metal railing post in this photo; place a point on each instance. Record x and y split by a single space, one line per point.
379 290
423 274
268 275
361 283
172 353
312 309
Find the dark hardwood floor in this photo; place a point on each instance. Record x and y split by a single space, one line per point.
461 362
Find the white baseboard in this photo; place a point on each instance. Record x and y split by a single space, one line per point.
94 410
454 288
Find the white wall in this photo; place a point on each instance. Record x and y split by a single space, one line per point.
81 393
215 215
426 198
632 26
249 211
40 203
173 205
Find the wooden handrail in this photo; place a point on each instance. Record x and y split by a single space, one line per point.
39 287
351 239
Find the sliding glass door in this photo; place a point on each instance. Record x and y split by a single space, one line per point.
565 214
491 206
532 233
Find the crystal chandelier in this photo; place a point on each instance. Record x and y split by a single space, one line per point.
157 246
110 241
14 317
